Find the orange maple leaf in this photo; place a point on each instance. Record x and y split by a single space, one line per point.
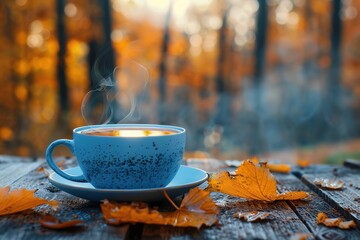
196 209
19 200
252 182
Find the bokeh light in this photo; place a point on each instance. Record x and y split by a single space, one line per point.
202 53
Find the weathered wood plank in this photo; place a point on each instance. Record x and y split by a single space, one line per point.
287 218
352 163
13 159
281 225
208 164
346 200
26 225
308 210
12 168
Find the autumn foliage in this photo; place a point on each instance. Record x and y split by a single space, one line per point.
19 200
196 209
322 218
303 163
250 181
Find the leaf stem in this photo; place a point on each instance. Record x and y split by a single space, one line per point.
171 201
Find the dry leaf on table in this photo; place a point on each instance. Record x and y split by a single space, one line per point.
278 167
52 222
251 182
322 218
301 236
196 209
273 167
303 163
19 200
329 183
252 216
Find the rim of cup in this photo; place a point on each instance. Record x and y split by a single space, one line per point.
177 130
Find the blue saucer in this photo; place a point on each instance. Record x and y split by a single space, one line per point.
185 179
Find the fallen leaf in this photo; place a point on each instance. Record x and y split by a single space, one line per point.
252 182
300 236
322 218
279 167
252 216
273 167
196 209
19 200
329 183
52 222
303 163
347 224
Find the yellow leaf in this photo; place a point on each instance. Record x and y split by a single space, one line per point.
281 168
347 224
252 182
292 196
274 167
19 200
322 218
303 163
301 236
196 209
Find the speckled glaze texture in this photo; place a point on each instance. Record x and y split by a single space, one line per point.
129 163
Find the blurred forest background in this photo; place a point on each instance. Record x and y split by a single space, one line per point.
276 78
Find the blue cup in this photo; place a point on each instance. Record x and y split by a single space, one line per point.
127 161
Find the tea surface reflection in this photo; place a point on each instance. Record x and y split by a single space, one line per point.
128 132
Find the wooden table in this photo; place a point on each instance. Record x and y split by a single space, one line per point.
288 217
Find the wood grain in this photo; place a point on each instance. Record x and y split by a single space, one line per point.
346 200
26 225
352 163
13 168
208 164
282 224
15 159
308 210
287 217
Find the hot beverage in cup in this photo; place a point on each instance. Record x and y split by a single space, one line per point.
124 156
128 132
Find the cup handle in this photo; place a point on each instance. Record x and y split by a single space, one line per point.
70 144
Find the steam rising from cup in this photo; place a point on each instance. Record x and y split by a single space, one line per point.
117 97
